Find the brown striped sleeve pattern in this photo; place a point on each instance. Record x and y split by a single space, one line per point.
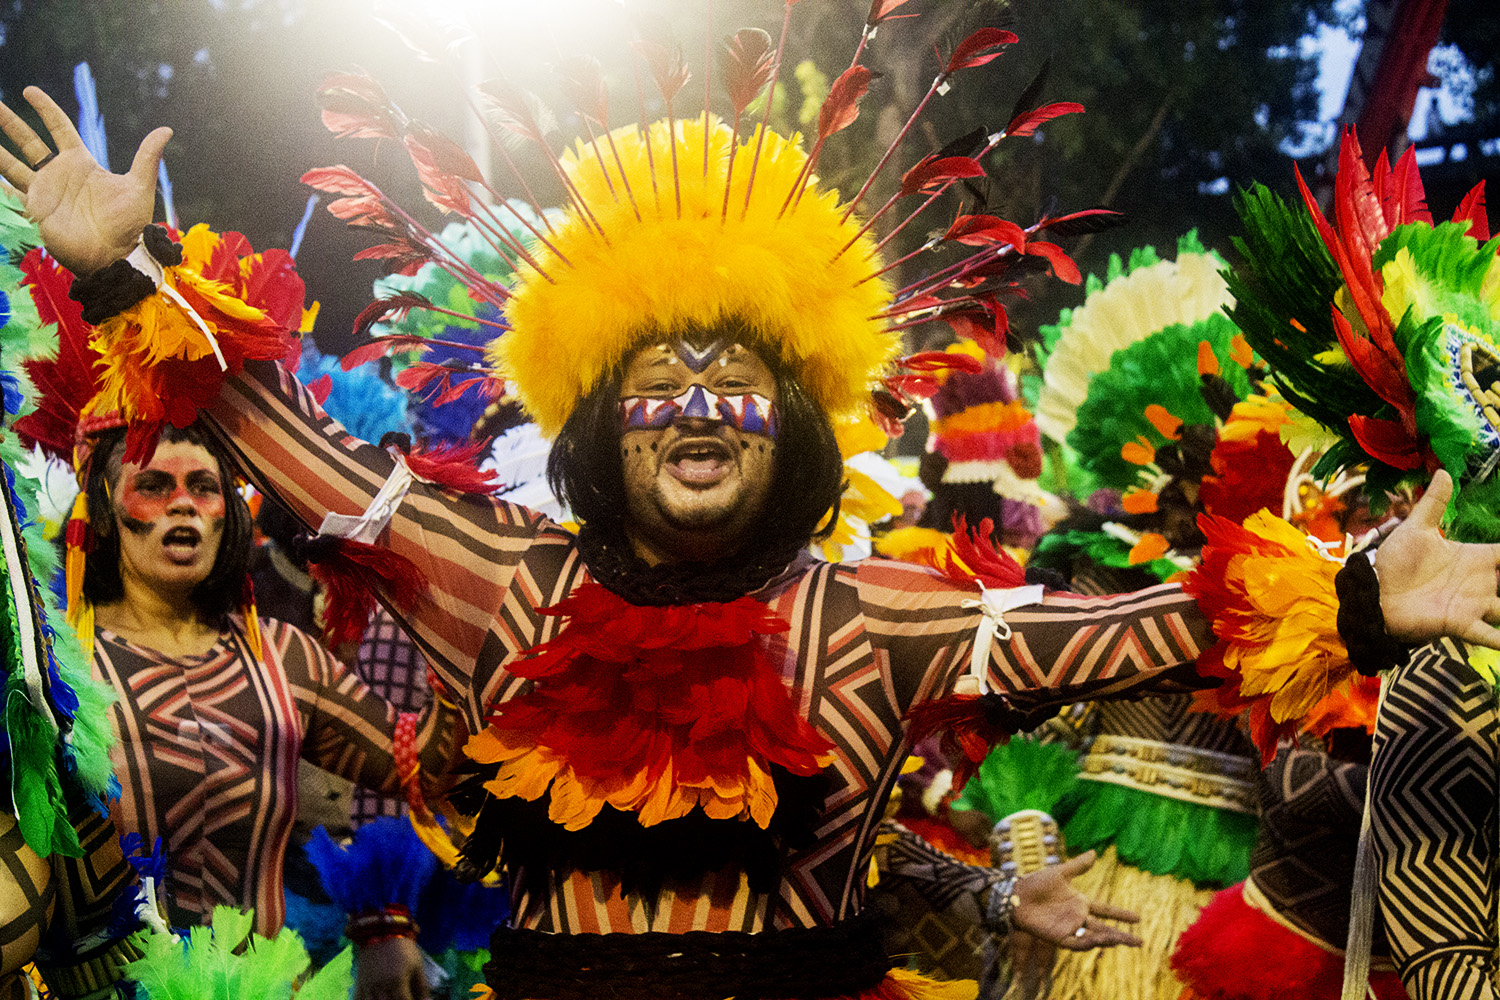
1068 648
467 546
346 728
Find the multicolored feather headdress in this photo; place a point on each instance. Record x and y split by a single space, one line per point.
1384 327
687 223
1141 380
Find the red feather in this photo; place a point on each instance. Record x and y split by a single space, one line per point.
979 557
338 179
419 376
513 109
942 361
383 347
453 467
453 391
986 323
1381 371
748 65
403 252
1403 199
355 106
583 83
979 230
967 732
841 107
681 693
66 383
1471 209
1357 212
979 48
912 386
351 573
1062 264
394 309
880 10
320 388
1388 441
667 68
932 170
445 191
1026 123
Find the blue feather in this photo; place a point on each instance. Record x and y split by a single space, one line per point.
90 119
165 183
364 403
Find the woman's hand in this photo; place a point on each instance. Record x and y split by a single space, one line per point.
88 216
1049 908
389 969
1432 587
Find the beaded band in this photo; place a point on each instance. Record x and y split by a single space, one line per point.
393 921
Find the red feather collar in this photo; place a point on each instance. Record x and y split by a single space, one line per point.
654 710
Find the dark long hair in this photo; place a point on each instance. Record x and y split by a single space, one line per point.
586 472
222 590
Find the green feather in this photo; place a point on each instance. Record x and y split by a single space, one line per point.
335 981
1060 550
1209 847
1024 773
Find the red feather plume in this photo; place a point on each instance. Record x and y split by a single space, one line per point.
979 48
452 466
65 384
351 574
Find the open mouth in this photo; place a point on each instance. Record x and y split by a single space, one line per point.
181 544
699 461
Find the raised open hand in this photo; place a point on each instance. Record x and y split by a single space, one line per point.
1048 907
87 215
1430 586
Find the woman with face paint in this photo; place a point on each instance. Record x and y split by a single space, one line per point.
214 705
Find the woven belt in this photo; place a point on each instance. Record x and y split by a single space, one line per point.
842 960
1175 771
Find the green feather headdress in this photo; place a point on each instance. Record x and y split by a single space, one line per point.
1137 381
1383 327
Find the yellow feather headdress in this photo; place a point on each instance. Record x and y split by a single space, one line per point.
639 265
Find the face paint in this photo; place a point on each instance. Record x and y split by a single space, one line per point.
750 412
172 483
721 382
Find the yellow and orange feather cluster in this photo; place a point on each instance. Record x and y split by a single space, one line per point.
1270 595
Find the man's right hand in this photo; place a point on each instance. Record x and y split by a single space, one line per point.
88 216
1432 587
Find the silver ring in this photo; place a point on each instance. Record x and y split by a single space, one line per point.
39 164
1081 931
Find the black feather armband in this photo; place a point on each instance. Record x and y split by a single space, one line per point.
1361 623
111 290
